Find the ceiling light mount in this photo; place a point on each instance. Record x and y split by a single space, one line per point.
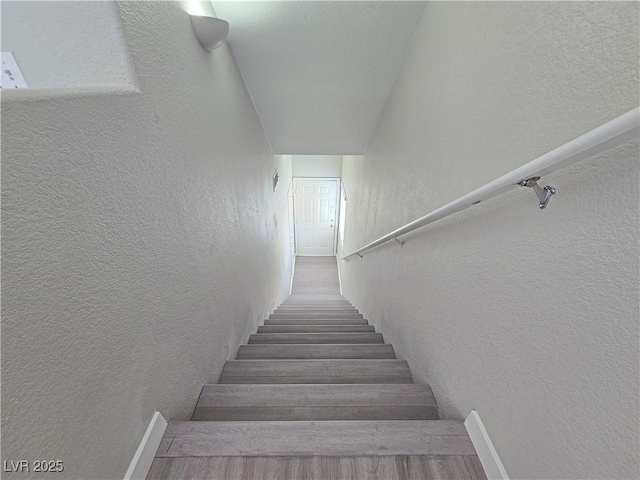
211 32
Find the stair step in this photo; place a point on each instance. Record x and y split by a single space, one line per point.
310 289
316 329
315 317
317 306
332 305
295 306
335 438
320 303
316 402
316 313
315 338
316 371
297 351
315 309
320 296
387 467
347 311
316 321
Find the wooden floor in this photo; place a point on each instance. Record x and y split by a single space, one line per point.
315 276
387 467
316 394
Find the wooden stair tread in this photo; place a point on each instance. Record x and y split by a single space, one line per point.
316 321
346 308
357 320
315 311
321 308
315 338
318 299
340 318
387 467
334 438
319 303
311 314
316 329
296 296
315 413
316 402
316 371
309 351
316 395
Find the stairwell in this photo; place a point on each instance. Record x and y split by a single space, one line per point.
316 394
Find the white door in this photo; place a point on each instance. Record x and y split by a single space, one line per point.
315 212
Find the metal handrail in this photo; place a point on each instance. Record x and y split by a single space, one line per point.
615 132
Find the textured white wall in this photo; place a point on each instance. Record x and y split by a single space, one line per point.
317 165
66 44
529 316
142 242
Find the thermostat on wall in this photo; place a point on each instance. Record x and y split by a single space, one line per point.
11 75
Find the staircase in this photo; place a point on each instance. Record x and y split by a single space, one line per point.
316 394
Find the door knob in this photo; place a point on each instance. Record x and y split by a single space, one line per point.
331 225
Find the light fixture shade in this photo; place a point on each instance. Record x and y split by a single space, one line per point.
211 32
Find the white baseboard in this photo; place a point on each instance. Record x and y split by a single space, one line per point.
339 274
143 458
487 454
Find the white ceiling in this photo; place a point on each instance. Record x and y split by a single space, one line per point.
319 72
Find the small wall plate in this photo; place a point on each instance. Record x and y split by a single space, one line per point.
11 75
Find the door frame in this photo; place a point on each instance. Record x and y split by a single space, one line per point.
292 233
335 223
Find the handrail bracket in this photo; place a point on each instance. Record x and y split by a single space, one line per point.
543 193
398 240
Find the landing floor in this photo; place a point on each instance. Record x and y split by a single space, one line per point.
393 467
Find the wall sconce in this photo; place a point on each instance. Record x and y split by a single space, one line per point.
211 32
